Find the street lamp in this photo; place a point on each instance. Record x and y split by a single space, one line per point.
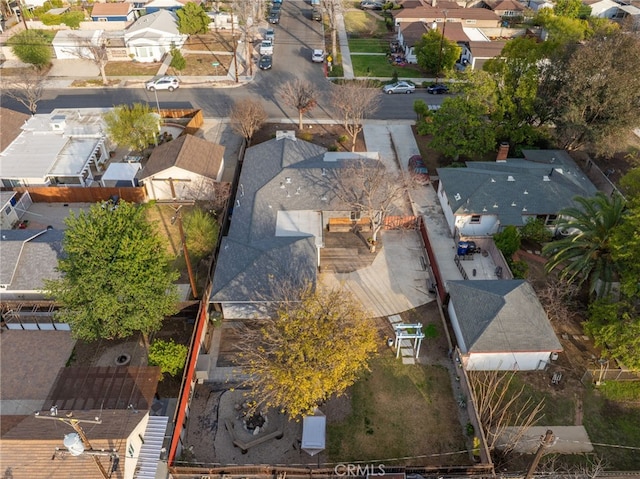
444 27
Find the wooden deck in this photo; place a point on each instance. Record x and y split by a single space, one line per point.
345 253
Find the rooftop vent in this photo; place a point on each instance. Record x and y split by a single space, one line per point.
510 178
287 180
495 205
492 180
546 178
526 192
457 197
58 122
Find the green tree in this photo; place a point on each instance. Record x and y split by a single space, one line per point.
133 126
170 356
585 254
461 127
508 241
630 183
625 248
535 230
615 327
115 275
516 75
567 8
592 97
201 230
562 30
178 61
435 53
192 19
33 47
316 346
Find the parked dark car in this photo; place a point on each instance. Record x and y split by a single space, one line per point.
437 89
418 170
266 62
274 17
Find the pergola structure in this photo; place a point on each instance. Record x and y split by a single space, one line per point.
409 331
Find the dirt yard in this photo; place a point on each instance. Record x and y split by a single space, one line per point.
329 136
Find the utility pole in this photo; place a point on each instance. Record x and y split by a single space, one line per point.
86 449
444 28
192 281
545 441
235 49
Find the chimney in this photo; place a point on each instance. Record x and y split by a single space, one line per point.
503 152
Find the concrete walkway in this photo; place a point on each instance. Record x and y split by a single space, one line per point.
347 67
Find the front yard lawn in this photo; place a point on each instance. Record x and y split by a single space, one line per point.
118 69
368 45
379 66
201 64
358 22
400 411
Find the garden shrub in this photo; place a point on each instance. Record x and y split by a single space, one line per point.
170 356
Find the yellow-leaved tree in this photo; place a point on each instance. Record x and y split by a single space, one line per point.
314 347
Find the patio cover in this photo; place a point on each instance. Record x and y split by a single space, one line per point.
123 174
314 433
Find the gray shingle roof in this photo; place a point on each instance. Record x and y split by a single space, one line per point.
543 183
501 316
277 175
29 257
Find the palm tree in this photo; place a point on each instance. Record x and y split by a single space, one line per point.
585 255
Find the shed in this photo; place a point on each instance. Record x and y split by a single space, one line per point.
120 174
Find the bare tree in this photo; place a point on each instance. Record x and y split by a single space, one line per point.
553 467
247 116
500 407
299 94
558 298
353 101
369 188
333 8
27 88
94 51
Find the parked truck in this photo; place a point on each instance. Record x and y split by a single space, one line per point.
266 47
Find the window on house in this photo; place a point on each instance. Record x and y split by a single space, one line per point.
475 219
7 210
355 215
551 219
470 21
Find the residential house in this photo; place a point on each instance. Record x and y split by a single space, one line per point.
114 405
29 257
283 205
153 35
65 147
484 197
13 206
167 5
409 34
629 13
507 9
113 12
602 8
74 44
185 168
476 53
500 325
537 5
469 17
222 21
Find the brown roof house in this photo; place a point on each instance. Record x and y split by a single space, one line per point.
505 8
42 399
186 168
113 12
469 17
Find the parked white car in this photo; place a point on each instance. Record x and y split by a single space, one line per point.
317 56
166 82
266 47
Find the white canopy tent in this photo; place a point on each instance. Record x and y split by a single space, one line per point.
120 174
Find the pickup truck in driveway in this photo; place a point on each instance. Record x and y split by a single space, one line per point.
266 47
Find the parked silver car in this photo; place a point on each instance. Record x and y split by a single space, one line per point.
399 87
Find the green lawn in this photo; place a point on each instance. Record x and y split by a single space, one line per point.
397 411
368 45
379 66
358 22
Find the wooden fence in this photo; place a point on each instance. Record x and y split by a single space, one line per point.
401 223
78 194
